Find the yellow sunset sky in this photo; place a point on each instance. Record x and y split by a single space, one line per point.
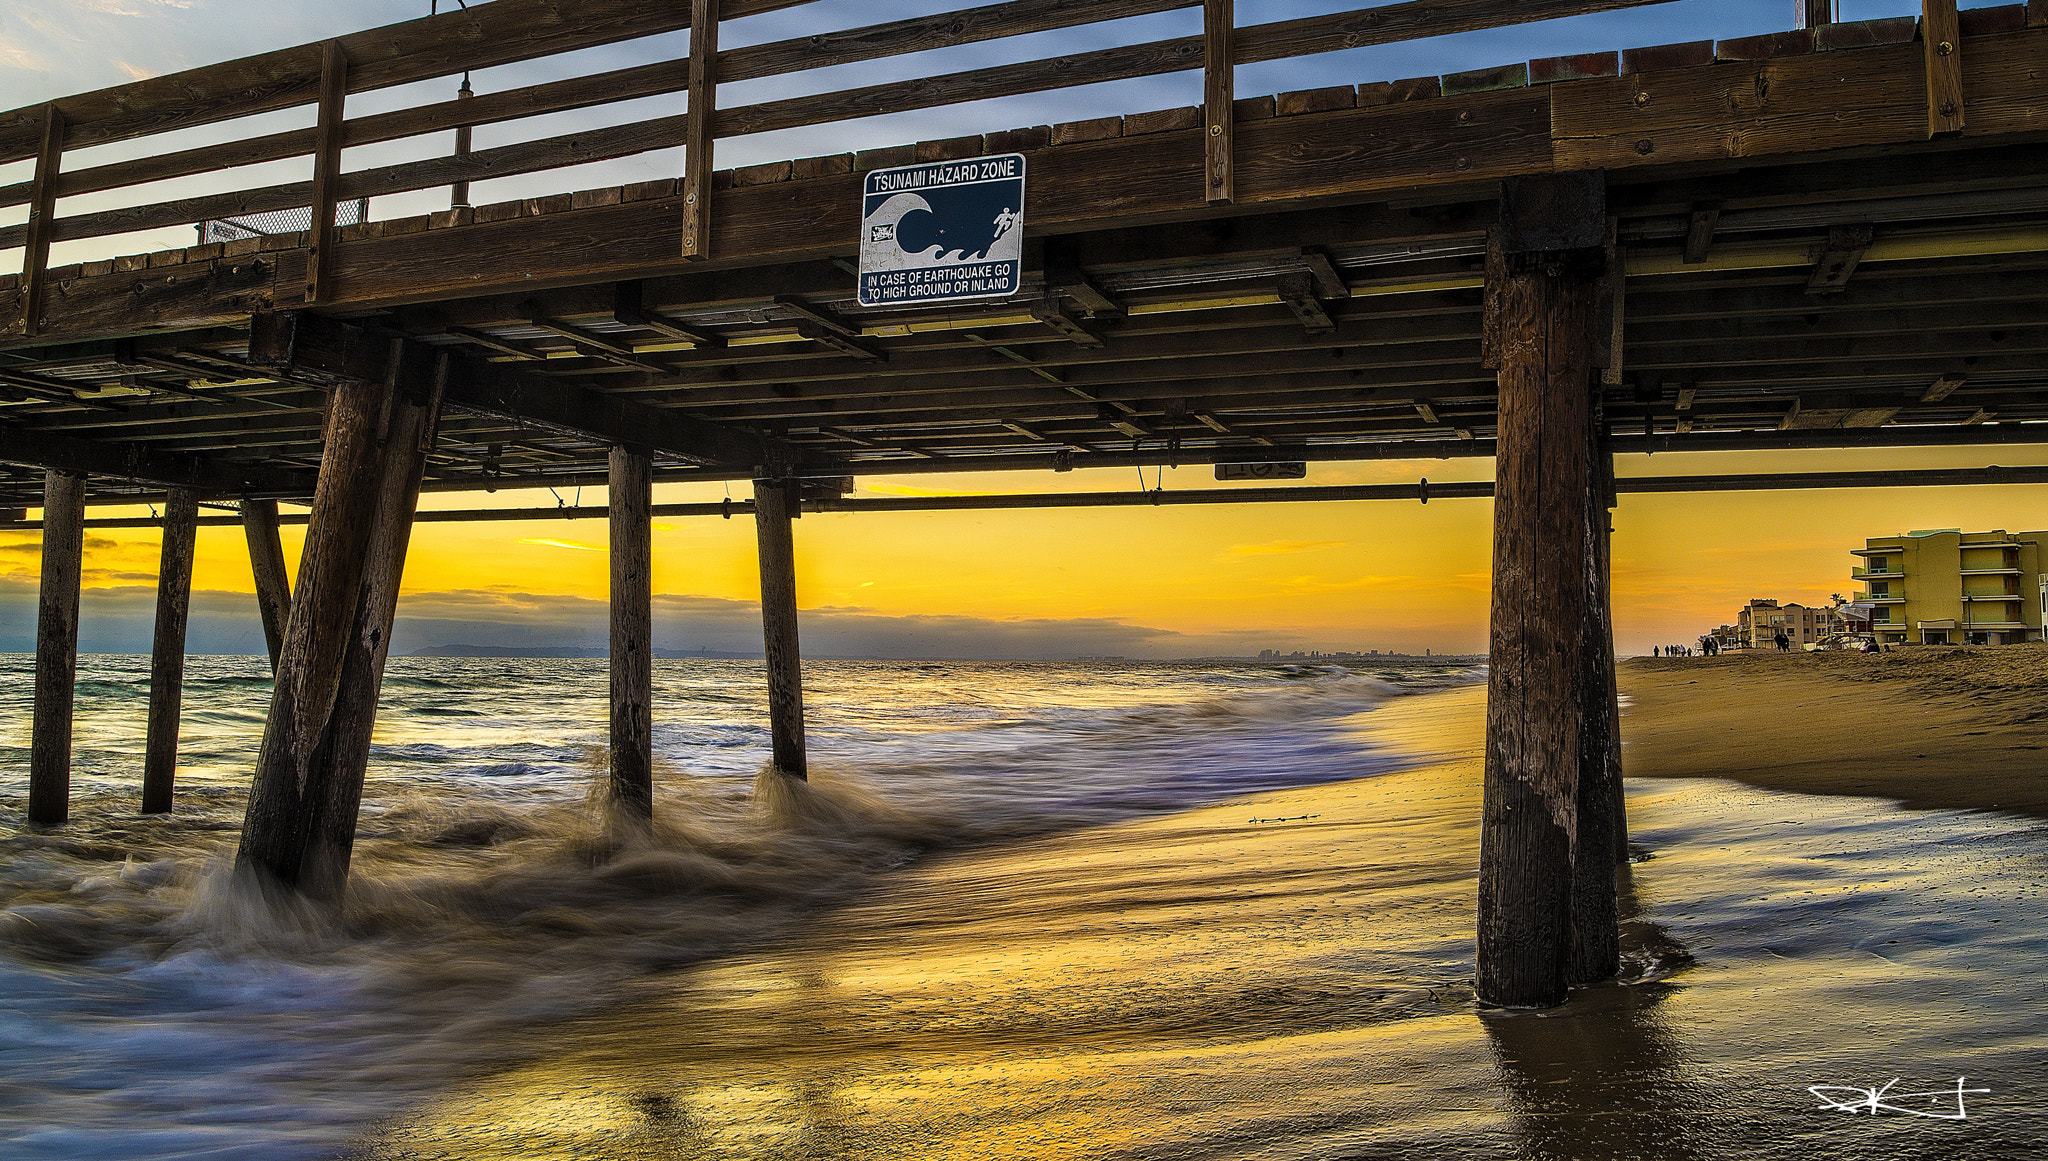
1388 575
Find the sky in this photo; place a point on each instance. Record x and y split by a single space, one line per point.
1141 582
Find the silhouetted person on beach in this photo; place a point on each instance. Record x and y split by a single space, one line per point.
1784 643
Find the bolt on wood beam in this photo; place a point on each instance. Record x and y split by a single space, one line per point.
42 209
1219 99
1942 36
326 168
1297 292
697 148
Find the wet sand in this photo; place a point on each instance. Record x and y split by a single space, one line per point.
1930 727
1287 976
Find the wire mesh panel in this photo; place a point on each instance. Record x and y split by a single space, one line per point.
278 222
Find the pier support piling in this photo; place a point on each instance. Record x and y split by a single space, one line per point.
1553 233
334 787
49 764
266 564
275 831
774 503
167 650
630 790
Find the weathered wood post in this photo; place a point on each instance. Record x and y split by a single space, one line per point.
275 828
1551 254
167 650
266 564
334 793
631 787
774 501
49 762
1596 920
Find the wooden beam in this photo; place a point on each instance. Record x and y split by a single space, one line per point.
1219 99
629 794
1814 13
628 310
266 565
1699 234
1297 293
1941 37
327 351
42 220
1942 388
334 795
1845 248
210 475
702 113
49 762
167 649
326 167
775 503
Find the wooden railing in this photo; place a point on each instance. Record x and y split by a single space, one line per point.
508 31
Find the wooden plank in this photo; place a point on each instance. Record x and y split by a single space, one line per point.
2005 88
41 216
266 565
326 167
698 144
1219 94
49 763
480 37
1815 13
1789 105
167 649
213 293
1941 38
775 503
1416 19
334 782
629 788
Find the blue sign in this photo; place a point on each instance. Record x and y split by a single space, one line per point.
942 231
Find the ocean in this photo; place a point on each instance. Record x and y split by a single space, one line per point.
1022 910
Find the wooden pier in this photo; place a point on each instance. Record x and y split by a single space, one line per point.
1830 236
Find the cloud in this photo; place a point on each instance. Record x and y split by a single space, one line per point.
541 540
1283 547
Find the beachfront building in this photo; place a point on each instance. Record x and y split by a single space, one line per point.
1949 587
1758 623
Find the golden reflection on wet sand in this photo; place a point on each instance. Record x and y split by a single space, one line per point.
1209 986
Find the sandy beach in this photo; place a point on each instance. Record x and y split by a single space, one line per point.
1930 727
1288 975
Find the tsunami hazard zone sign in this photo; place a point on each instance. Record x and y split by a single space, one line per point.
943 231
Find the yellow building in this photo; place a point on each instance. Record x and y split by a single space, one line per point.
1950 587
